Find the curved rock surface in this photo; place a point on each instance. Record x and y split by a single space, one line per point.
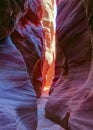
10 13
18 101
70 103
17 97
29 38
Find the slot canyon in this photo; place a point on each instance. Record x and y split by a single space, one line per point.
46 64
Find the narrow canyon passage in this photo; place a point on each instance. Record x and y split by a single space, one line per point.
49 25
46 64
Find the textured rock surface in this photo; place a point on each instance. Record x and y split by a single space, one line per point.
70 103
10 13
17 97
29 39
43 122
49 43
18 101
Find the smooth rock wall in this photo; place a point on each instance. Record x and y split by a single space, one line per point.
70 101
18 101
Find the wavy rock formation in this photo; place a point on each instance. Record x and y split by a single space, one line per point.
10 13
70 103
29 39
17 97
18 101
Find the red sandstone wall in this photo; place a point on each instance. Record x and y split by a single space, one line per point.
49 43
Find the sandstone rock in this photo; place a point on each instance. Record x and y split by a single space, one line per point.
18 101
70 103
48 24
17 97
10 13
29 39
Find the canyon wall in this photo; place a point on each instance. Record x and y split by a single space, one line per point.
71 95
48 22
19 59
28 37
27 61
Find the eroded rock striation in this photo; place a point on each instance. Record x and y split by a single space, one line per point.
18 101
70 102
29 39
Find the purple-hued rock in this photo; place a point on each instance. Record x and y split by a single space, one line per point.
28 37
10 13
18 101
17 97
70 103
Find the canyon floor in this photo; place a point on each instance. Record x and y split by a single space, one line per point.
7 123
44 123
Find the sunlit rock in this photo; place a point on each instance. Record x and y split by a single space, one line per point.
48 22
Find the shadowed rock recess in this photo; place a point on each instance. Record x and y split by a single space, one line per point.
71 95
